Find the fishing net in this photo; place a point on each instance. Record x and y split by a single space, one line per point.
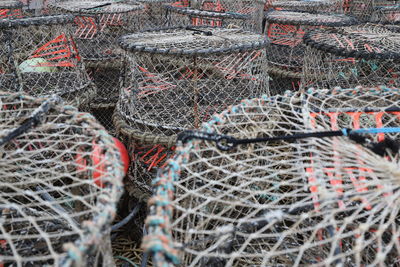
357 55
98 24
387 15
285 52
177 78
38 56
317 201
242 14
61 179
11 9
154 15
318 6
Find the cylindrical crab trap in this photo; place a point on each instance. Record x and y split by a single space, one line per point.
387 15
38 56
97 26
285 52
242 14
364 9
176 79
365 55
318 6
61 177
154 15
11 9
303 179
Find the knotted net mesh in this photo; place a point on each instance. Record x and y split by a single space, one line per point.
366 54
286 51
61 179
316 201
38 55
97 25
176 79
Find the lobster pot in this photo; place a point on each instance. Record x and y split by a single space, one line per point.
11 9
241 14
317 201
365 55
59 184
97 25
319 6
176 79
285 52
38 56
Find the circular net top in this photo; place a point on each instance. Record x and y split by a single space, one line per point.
97 7
304 18
61 179
206 13
368 41
303 4
36 21
10 4
192 41
286 202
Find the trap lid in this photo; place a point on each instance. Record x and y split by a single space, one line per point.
305 18
192 41
367 41
97 7
41 20
10 4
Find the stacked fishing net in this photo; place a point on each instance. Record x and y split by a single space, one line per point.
244 198
38 56
61 176
318 6
97 26
242 14
285 52
366 55
177 78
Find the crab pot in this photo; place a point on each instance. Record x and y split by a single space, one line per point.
11 9
154 15
363 9
97 25
285 52
317 201
242 14
176 79
59 185
320 6
387 14
39 57
352 56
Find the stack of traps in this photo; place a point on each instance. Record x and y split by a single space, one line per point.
315 201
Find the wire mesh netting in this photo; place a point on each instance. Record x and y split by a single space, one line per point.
242 14
285 52
38 55
97 25
61 179
319 6
318 201
365 54
177 78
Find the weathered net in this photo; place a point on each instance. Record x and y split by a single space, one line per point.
285 52
61 178
177 78
319 6
242 14
11 9
97 25
365 55
38 56
318 201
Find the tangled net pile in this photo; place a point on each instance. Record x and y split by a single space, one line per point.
61 179
324 200
38 55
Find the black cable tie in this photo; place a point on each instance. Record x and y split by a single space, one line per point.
32 121
206 33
